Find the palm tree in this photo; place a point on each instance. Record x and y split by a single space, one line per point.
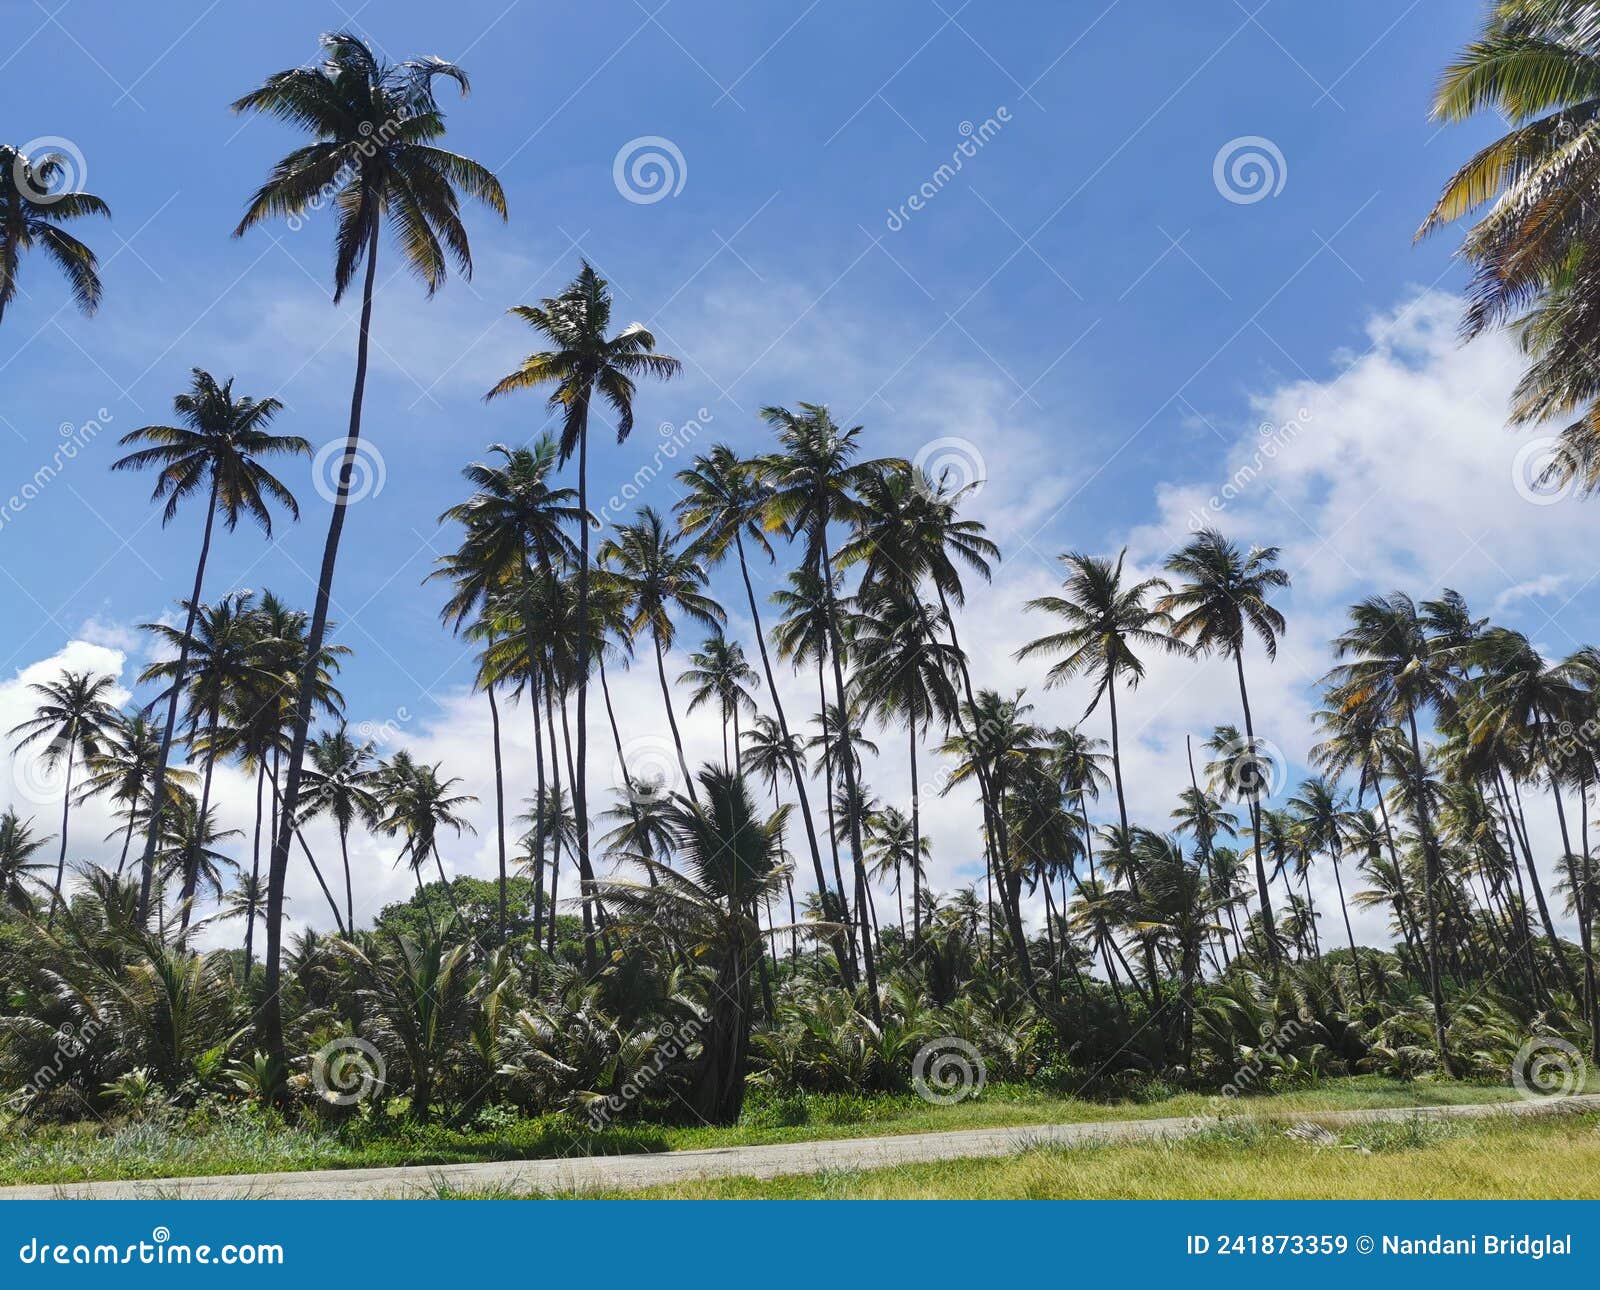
656 577
582 363
815 479
708 908
1533 65
719 673
1106 620
1220 600
374 127
513 543
1323 817
228 654
723 506
341 783
76 716
894 845
124 769
32 206
18 846
189 848
217 448
906 675
416 801
1392 671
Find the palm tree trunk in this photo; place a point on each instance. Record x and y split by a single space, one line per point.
127 837
797 771
555 794
538 802
499 810
255 873
1268 929
191 869
1350 936
66 815
672 720
349 889
833 826
1430 857
158 791
836 650
580 778
916 843
278 868
1568 977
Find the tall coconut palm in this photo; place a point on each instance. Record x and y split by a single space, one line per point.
216 449
513 543
1108 620
815 479
416 801
1220 600
658 578
223 655
584 363
719 673
1534 66
723 508
1323 817
906 675
18 846
341 783
124 770
374 126
709 908
33 206
1393 669
76 716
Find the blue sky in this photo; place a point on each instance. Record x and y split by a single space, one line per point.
1087 306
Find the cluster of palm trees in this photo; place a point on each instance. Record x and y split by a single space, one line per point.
1442 734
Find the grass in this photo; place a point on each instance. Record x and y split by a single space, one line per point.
237 1141
1500 1157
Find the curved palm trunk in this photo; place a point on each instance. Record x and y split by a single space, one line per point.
127 837
1151 970
797 772
538 805
66 815
278 868
349 889
1268 928
1568 977
158 792
836 650
499 813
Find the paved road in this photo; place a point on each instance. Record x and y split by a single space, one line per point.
611 1173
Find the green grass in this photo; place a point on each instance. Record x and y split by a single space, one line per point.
1523 1158
239 1142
